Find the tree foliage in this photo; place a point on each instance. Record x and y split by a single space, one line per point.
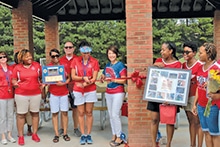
101 34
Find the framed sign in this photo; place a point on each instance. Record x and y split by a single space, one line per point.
167 85
53 74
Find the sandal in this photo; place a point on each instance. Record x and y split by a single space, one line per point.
114 144
56 139
66 137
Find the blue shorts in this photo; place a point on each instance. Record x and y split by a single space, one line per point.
212 122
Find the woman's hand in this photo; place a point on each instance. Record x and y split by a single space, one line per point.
166 103
102 78
59 83
159 64
194 110
214 96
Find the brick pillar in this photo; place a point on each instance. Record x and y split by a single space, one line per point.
139 56
23 26
217 31
51 35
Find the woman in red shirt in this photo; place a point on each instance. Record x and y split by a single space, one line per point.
26 81
191 63
168 60
209 124
6 99
59 99
84 72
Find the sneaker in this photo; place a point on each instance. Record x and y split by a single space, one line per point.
61 132
35 138
12 140
77 132
83 140
89 139
21 140
4 141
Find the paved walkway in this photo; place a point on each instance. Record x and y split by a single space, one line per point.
100 137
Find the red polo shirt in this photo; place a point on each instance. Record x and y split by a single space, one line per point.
81 70
58 90
6 89
28 79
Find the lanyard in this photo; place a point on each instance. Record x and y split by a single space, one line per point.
85 67
7 75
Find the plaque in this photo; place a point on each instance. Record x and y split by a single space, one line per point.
167 85
53 74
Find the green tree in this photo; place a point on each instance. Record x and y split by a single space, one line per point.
6 36
100 34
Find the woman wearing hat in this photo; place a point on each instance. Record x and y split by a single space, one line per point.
84 72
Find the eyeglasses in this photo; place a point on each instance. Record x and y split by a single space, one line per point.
53 56
2 57
186 52
86 53
70 47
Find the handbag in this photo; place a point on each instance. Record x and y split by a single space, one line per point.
168 114
124 109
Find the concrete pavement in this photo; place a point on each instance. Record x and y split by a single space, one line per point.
100 137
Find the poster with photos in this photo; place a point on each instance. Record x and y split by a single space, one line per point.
167 85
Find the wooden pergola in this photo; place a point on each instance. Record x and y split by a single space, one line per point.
138 15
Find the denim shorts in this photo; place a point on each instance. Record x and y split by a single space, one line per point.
212 122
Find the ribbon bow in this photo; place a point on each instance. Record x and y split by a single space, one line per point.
135 77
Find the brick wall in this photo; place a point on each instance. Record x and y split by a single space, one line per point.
139 56
23 26
217 31
51 35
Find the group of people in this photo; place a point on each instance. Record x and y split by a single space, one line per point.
199 125
21 84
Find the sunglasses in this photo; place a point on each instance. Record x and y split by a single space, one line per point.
53 56
70 47
2 57
186 52
86 53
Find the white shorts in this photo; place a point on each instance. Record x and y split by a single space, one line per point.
87 97
59 103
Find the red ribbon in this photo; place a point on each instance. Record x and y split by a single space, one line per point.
135 77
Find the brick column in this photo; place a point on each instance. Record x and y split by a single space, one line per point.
217 31
23 26
139 56
51 35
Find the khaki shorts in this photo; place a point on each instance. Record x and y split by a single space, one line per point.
189 104
27 103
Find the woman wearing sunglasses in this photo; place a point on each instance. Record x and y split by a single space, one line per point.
26 81
191 63
84 72
59 98
6 100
